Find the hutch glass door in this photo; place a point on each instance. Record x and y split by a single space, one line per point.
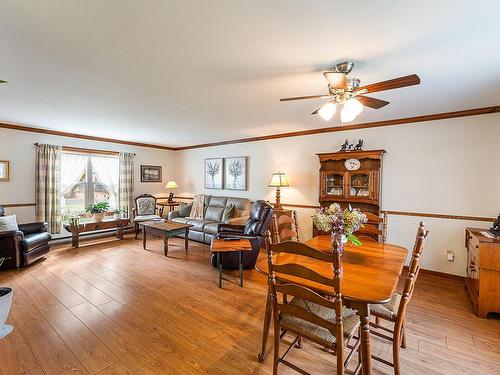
359 185
334 184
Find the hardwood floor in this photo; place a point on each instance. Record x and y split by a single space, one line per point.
110 307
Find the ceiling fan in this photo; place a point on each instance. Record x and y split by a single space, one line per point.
343 90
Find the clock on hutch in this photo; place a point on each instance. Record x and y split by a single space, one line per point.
351 177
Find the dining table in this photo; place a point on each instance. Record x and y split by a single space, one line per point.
370 274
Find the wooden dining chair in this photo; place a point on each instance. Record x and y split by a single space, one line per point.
285 227
375 228
395 310
324 321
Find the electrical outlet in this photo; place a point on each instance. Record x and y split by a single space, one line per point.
450 255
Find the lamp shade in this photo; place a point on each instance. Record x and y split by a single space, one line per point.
278 179
171 185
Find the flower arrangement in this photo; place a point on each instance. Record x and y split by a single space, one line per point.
345 221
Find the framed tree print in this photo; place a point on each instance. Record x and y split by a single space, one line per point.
214 173
235 173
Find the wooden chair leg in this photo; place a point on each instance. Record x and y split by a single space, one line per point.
403 337
377 320
395 352
299 343
276 348
136 230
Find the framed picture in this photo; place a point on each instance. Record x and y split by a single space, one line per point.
235 173
150 173
213 173
4 170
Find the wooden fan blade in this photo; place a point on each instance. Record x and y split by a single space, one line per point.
395 83
305 97
372 102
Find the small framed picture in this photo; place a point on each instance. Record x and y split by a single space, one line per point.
235 173
151 173
213 173
4 170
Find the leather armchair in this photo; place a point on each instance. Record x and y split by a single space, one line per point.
258 222
24 246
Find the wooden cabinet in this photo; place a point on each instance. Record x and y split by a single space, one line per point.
482 276
360 188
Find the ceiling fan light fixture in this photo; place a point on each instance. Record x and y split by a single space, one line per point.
327 111
352 108
336 80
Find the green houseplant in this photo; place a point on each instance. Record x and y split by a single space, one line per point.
97 210
5 303
117 213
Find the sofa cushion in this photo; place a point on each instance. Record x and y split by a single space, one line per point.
185 209
198 224
241 206
211 228
215 208
8 223
182 220
228 212
32 241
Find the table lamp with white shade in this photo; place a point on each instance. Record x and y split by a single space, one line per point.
171 185
278 180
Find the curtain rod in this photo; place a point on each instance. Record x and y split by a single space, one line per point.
88 150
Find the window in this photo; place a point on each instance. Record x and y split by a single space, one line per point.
87 179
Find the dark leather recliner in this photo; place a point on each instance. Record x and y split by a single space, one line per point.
261 213
22 247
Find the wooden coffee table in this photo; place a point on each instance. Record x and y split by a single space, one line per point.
165 229
219 246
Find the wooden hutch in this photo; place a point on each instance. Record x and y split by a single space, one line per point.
351 177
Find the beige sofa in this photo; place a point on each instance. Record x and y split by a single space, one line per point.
203 230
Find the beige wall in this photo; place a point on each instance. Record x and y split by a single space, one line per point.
448 167
18 147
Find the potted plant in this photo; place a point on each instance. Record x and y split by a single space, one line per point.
71 218
342 223
117 213
98 210
5 303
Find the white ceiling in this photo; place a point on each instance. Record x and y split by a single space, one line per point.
186 72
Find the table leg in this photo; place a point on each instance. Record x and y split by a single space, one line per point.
74 240
186 239
267 324
219 268
144 237
165 244
364 318
240 256
119 233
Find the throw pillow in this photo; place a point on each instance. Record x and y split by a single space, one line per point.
185 209
228 212
8 223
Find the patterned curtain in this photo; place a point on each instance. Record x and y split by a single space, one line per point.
126 183
48 186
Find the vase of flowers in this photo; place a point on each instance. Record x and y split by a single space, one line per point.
341 223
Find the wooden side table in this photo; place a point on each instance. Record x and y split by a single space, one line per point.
220 246
170 205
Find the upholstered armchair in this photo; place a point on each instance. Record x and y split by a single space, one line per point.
24 246
258 222
145 210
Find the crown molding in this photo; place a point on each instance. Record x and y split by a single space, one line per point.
82 136
331 129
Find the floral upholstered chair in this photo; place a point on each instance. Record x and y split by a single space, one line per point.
145 210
